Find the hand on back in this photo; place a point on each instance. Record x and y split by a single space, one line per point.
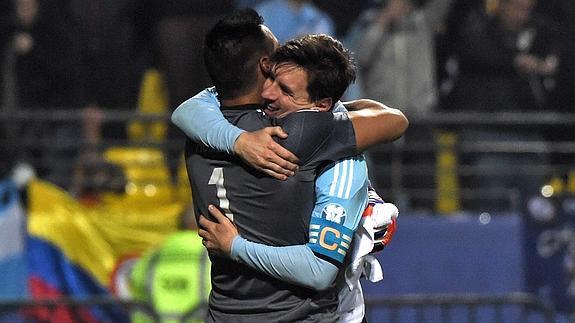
261 151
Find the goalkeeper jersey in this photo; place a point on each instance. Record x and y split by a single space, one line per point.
267 211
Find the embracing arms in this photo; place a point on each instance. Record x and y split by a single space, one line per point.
201 120
335 217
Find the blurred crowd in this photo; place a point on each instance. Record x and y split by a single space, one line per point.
422 56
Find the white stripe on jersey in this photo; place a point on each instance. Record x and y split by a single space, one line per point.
344 184
334 182
343 178
350 180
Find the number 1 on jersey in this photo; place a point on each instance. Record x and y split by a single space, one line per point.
217 179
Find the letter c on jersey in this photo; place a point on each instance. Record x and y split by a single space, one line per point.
324 233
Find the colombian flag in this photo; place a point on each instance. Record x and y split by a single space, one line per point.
73 250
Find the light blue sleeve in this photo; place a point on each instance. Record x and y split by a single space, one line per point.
200 119
294 264
341 198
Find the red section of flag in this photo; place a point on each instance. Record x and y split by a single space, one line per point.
39 290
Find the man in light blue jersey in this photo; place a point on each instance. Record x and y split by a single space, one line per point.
335 217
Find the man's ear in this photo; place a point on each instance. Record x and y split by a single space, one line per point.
323 105
265 65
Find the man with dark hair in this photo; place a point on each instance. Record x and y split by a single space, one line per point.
232 51
245 196
325 61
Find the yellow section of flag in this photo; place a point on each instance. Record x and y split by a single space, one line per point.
96 238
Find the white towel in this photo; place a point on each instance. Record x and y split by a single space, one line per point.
351 306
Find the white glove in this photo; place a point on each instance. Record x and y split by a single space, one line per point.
383 214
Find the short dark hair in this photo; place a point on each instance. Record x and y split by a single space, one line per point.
232 49
328 64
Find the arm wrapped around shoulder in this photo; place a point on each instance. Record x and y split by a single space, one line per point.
314 135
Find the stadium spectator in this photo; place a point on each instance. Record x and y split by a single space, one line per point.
394 43
395 50
455 19
256 98
342 12
504 59
295 18
72 54
39 77
41 42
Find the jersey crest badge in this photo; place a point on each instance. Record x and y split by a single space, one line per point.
334 212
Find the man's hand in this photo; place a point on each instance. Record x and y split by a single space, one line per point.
217 236
259 149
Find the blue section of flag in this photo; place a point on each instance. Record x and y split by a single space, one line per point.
47 263
13 277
